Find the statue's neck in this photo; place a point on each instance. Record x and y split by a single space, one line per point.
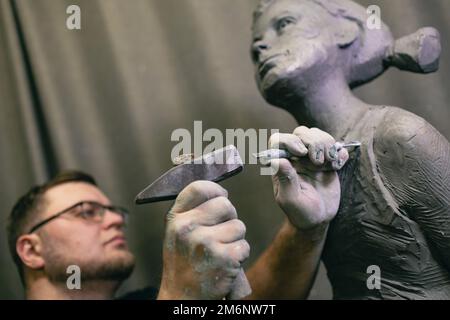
330 106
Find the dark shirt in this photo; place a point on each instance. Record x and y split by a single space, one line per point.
148 293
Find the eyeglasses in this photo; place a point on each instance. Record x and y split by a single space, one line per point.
86 210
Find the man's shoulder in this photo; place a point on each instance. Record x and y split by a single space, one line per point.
149 293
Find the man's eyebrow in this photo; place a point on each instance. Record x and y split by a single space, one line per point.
88 202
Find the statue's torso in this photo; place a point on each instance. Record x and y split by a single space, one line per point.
370 229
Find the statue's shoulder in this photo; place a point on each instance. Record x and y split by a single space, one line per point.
402 150
404 143
401 142
398 126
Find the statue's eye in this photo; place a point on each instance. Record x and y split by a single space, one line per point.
283 23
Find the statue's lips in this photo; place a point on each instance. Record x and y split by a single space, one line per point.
266 65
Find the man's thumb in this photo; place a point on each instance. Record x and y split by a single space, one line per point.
285 178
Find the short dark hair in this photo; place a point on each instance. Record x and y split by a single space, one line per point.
27 207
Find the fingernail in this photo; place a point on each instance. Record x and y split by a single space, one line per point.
318 155
303 149
333 153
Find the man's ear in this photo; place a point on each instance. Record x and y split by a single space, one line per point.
29 249
346 33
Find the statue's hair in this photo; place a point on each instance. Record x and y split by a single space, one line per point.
331 7
261 7
376 50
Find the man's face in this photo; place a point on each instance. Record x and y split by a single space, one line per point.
288 43
98 248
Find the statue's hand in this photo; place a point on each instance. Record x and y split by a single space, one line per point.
308 189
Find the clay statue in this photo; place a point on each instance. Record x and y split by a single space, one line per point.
395 201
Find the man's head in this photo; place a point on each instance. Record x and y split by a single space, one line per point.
89 235
299 42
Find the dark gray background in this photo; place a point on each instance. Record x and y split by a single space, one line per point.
107 98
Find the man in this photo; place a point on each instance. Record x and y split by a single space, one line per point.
70 221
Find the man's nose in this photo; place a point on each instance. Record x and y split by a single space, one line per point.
258 48
113 219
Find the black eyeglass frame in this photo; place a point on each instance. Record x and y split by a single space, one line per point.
116 209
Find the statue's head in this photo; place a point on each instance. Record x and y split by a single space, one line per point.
297 43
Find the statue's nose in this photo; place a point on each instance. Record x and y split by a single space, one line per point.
257 48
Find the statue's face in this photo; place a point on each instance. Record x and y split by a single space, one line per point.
291 41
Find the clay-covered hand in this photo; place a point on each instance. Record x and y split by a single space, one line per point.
204 244
307 188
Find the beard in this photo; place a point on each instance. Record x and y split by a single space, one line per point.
117 266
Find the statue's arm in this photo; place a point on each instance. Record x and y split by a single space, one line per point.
414 161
